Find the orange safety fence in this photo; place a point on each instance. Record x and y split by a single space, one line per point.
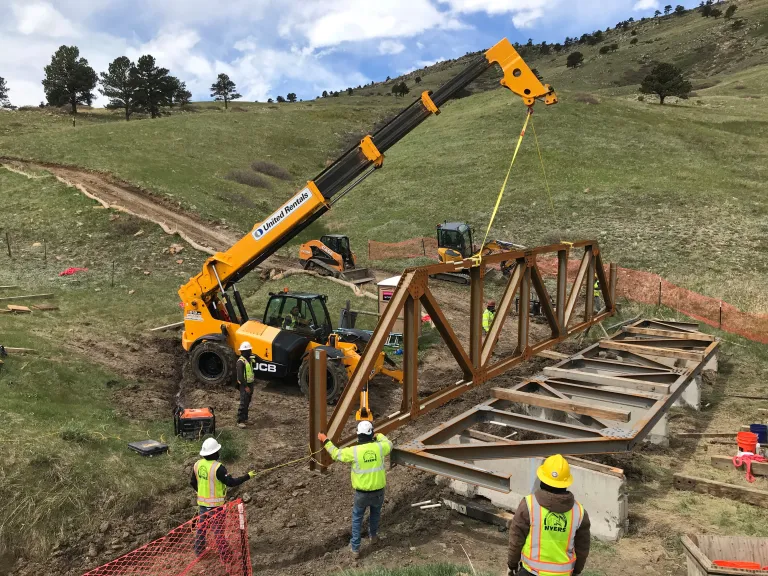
412 248
652 289
214 544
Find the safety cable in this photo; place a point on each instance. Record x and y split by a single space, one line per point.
477 258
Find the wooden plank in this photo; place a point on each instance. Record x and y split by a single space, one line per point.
16 308
669 334
726 463
652 351
10 349
485 437
595 466
559 404
603 380
25 297
707 435
744 494
167 327
8 287
44 307
552 355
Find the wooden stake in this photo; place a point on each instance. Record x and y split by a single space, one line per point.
721 489
113 273
45 250
167 327
8 244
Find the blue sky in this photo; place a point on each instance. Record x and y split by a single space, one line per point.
271 47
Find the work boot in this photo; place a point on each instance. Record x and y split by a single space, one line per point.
355 553
241 424
374 540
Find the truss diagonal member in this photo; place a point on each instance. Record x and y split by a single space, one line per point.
574 294
505 304
546 304
446 332
602 281
592 420
369 356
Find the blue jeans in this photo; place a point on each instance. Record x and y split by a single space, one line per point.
363 500
207 521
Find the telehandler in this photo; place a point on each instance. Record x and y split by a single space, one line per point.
216 321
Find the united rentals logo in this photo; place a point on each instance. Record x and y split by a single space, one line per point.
555 522
275 218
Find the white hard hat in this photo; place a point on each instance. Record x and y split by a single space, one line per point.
245 346
365 427
210 446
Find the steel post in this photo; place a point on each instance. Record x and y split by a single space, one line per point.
589 302
562 288
476 306
412 323
524 312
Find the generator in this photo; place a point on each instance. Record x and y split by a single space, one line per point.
194 423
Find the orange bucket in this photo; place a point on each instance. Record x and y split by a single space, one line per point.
747 441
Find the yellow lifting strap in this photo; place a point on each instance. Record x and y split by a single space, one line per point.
477 258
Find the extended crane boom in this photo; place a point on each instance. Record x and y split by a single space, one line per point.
218 319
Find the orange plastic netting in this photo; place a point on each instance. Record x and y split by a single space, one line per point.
215 544
643 287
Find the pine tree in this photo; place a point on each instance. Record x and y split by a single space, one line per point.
152 86
69 79
224 89
119 85
4 103
666 80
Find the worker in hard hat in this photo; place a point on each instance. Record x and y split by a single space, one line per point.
549 535
368 478
488 315
211 480
245 380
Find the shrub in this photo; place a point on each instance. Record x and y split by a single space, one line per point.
605 49
633 41
271 169
586 99
614 47
641 98
574 59
248 178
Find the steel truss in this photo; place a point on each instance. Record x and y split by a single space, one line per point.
477 363
588 402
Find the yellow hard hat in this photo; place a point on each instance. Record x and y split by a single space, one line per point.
555 472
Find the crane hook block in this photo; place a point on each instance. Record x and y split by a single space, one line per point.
428 104
518 77
369 150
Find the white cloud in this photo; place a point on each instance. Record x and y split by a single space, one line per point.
645 5
527 18
391 47
327 23
41 18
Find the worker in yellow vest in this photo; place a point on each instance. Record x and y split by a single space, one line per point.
211 480
488 315
596 295
368 478
549 535
245 380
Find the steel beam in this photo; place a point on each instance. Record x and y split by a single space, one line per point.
502 311
412 323
551 403
476 306
446 333
504 451
451 468
531 424
574 294
562 289
523 317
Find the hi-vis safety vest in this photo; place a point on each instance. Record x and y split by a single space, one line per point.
488 317
247 369
368 473
210 491
548 549
596 289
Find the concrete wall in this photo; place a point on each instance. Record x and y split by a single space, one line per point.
604 496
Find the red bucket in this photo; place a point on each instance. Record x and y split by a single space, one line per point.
747 441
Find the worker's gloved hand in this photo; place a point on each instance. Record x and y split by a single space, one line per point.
251 473
322 437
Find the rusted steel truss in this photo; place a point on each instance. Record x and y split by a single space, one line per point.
605 399
477 362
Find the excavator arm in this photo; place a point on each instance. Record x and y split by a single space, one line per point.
201 295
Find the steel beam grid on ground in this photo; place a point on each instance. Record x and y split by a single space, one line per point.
598 374
479 361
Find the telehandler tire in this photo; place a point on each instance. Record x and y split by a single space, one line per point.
335 379
213 363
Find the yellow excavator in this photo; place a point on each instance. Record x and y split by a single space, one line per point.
332 256
455 243
216 321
